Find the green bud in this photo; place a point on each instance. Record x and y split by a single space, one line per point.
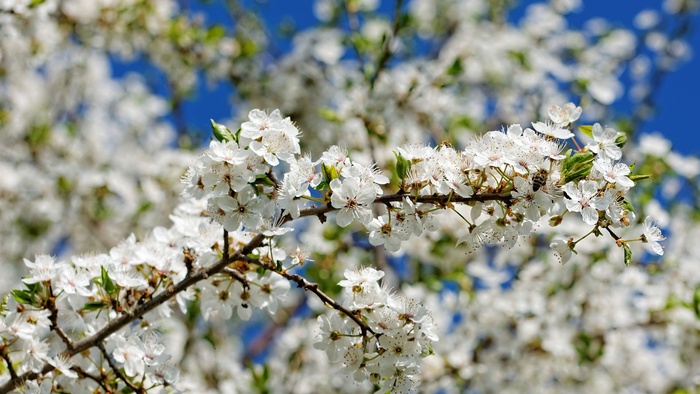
555 220
628 254
221 132
621 139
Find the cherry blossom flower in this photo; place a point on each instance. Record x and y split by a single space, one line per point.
44 268
260 122
562 249
268 291
583 198
552 130
613 173
362 287
652 236
566 115
604 142
332 338
352 200
382 233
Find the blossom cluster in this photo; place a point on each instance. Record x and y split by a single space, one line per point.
509 180
402 331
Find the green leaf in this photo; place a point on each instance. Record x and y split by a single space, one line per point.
323 185
625 204
94 306
577 166
455 68
265 180
23 297
587 130
329 114
107 283
221 132
628 254
696 302
33 288
329 173
639 177
3 304
403 166
215 33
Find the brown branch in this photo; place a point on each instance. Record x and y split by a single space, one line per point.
431 199
237 275
120 375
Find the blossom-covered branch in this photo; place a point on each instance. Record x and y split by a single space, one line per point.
501 185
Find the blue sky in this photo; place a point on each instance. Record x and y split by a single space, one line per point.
678 97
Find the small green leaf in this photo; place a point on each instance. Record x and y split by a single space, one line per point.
628 254
330 115
587 130
215 33
639 177
696 302
625 204
33 288
403 166
23 297
221 132
323 185
455 68
577 166
263 179
107 283
329 173
94 306
3 304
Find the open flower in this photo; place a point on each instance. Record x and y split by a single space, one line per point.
652 236
584 198
352 200
604 142
565 116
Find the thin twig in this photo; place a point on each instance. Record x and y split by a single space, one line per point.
314 288
99 380
119 373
